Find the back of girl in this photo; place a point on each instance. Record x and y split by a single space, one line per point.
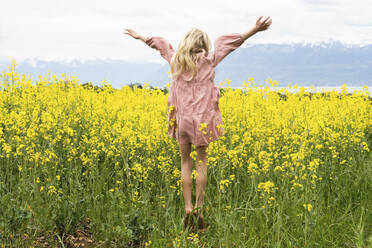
193 110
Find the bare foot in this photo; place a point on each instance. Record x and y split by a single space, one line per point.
198 212
188 209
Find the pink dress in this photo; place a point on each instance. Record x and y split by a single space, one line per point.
193 107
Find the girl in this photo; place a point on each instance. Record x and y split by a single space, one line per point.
193 102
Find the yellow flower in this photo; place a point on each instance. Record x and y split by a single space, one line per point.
52 189
224 183
220 126
266 187
193 237
308 207
253 168
194 174
203 126
193 154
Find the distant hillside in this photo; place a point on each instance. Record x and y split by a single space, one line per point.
324 64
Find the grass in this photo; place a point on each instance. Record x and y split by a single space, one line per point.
341 215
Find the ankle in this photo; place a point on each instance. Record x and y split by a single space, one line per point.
188 209
198 210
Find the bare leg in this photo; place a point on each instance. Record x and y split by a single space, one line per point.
201 178
186 172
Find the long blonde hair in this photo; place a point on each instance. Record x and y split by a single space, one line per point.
185 59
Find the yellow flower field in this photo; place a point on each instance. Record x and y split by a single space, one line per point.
289 166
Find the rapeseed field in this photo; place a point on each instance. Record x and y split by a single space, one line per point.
81 165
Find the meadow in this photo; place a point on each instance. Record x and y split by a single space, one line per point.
95 167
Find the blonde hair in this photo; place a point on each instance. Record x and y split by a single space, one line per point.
185 59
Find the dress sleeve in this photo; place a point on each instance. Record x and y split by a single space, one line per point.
163 46
224 45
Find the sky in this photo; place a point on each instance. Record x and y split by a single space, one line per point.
90 29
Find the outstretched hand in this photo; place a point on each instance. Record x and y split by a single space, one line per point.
132 33
261 26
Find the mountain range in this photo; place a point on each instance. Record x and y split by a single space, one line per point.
323 64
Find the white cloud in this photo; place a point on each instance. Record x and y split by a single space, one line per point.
67 29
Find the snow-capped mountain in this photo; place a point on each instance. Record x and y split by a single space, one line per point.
322 64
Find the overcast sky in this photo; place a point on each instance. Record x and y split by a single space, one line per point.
89 29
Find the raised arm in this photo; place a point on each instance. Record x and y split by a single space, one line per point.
225 44
134 34
260 26
163 46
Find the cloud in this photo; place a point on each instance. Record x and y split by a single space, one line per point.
67 29
321 4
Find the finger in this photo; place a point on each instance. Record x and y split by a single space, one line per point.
129 30
258 20
266 19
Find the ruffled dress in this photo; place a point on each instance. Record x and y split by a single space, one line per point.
193 107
